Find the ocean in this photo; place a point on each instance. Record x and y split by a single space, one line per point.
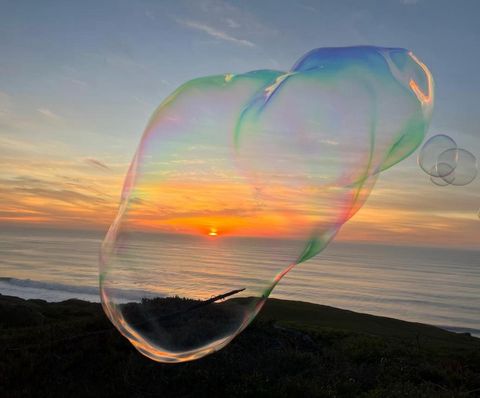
438 286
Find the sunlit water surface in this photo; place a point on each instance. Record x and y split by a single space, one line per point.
431 285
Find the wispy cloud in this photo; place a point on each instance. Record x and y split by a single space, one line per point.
231 23
142 101
77 82
64 195
307 8
213 32
49 114
329 142
97 163
5 102
39 196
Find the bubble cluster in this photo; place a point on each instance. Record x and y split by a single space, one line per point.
240 177
445 163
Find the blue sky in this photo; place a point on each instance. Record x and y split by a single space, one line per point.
79 80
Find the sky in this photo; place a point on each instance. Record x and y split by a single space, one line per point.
79 81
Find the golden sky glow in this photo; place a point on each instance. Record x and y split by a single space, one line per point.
70 122
66 192
68 99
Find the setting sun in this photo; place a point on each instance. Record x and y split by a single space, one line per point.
213 232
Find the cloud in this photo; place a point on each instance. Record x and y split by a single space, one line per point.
16 117
64 195
329 142
28 184
136 200
5 103
307 8
224 13
122 59
231 23
97 163
77 82
213 32
48 114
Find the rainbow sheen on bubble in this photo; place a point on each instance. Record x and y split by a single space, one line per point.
240 177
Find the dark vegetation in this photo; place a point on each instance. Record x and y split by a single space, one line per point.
182 324
292 349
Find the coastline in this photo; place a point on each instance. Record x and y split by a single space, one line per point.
438 287
292 347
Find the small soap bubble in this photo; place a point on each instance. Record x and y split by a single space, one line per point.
445 169
463 165
431 150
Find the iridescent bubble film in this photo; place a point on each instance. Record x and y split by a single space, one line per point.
445 169
431 150
462 163
240 177
445 163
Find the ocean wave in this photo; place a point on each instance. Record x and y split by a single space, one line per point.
51 291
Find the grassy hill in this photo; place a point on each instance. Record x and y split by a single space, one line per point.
293 349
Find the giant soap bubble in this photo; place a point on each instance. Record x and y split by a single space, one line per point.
238 178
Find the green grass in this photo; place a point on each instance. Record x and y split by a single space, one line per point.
292 349
318 318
